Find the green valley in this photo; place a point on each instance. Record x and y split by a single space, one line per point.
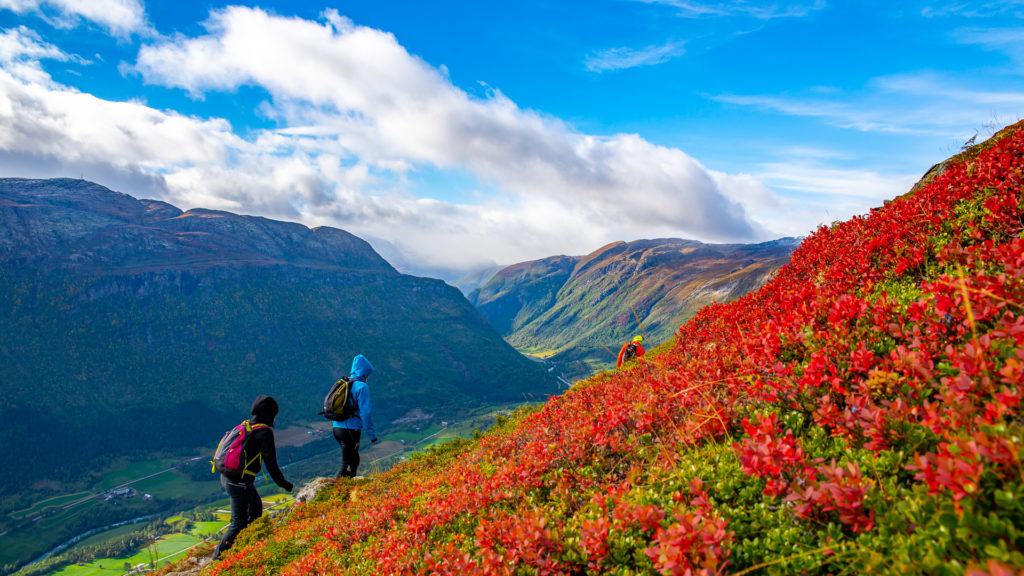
577 311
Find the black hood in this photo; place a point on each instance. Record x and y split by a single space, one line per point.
264 410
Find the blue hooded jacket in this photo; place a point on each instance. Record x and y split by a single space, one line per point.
361 369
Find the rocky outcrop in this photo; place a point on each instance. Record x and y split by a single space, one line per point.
311 489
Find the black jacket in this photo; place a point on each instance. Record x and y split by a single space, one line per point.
262 442
264 410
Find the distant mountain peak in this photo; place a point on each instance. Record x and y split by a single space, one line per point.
53 220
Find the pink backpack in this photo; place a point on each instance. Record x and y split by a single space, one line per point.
230 458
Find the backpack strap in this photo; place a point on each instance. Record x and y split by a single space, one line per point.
245 470
250 428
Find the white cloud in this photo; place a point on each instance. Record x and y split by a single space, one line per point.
75 126
120 17
22 43
751 8
960 9
806 189
747 190
353 94
923 87
1007 40
21 49
622 58
359 118
833 183
902 104
47 129
812 192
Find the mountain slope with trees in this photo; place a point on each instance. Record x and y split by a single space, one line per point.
146 329
576 309
859 414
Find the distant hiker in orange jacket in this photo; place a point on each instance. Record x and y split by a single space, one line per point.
630 350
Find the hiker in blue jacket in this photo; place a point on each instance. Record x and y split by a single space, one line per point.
347 432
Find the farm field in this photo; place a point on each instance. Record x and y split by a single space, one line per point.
43 505
164 551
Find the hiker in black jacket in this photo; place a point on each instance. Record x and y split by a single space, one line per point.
246 504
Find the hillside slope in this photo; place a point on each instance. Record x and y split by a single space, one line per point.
573 309
859 414
153 329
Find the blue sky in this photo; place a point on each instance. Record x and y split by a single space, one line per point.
458 134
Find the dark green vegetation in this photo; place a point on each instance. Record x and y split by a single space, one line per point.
578 311
131 329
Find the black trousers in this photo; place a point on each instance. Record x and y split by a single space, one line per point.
246 506
349 442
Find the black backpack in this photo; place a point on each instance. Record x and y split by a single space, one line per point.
339 404
630 352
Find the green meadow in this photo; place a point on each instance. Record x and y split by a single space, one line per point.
165 550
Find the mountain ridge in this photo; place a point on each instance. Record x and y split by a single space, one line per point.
570 309
63 225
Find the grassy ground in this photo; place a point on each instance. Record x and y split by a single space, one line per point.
411 435
207 529
107 535
167 549
173 485
36 537
126 471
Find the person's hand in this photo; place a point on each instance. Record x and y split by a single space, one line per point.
374 441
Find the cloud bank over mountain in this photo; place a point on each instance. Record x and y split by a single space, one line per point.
358 114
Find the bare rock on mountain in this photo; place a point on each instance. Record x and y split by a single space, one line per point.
312 488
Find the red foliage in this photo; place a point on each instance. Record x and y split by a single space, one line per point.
836 489
767 454
905 323
696 542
